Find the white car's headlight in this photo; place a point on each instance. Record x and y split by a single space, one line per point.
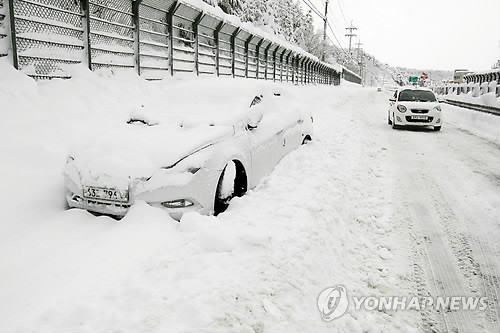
401 108
438 108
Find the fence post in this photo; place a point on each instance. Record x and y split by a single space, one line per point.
137 53
170 21
282 55
306 70
84 5
257 55
196 23
233 51
12 23
247 44
295 72
217 46
274 62
302 70
266 54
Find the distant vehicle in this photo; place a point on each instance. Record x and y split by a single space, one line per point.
168 162
414 106
379 89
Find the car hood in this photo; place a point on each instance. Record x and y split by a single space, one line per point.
419 105
138 151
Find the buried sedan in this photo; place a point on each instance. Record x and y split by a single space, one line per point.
191 156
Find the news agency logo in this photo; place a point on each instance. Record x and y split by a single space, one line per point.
333 302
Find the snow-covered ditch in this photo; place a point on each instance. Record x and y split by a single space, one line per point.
317 221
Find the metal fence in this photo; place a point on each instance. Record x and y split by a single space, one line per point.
473 88
156 38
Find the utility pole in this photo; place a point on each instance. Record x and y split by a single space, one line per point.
360 58
325 23
350 35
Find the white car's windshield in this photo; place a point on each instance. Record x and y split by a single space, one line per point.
416 96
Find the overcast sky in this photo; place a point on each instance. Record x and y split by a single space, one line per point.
431 34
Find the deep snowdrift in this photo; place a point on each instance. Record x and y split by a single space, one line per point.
320 219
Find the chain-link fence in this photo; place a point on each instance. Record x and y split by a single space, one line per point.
156 38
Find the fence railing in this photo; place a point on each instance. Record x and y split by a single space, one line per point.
156 38
475 89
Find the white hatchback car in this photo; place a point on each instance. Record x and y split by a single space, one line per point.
411 106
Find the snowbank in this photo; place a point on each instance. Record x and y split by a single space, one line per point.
488 99
479 123
315 222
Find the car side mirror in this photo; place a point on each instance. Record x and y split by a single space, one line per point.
392 99
253 120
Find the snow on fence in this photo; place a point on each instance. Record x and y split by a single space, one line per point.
474 89
156 38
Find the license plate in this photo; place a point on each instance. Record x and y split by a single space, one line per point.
419 117
107 194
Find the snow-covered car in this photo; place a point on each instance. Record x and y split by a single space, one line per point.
414 106
187 154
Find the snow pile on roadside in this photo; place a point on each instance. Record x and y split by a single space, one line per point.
317 221
489 99
479 123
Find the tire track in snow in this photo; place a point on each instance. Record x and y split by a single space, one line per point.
474 255
442 272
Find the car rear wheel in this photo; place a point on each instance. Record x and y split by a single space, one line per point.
437 128
389 119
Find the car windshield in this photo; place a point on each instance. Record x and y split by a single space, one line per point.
416 96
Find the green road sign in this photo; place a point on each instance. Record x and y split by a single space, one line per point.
413 79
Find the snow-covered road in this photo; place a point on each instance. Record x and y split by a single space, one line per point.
383 212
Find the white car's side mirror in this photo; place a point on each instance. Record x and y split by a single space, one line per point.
392 99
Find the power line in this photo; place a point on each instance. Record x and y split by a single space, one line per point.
339 28
342 11
341 3
313 8
335 36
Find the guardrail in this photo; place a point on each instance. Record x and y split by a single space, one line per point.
483 108
156 38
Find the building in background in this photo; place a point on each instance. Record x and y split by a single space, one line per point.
458 75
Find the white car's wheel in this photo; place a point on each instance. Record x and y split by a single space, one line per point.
389 121
394 126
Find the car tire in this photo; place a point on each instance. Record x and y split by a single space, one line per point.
437 128
222 196
389 119
394 126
